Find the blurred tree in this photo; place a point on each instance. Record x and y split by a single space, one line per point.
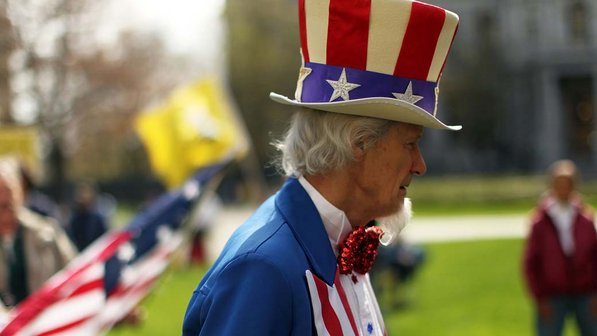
263 56
100 141
7 45
83 94
49 33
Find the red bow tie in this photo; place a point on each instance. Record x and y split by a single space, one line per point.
358 250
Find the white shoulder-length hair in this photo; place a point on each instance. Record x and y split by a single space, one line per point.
319 142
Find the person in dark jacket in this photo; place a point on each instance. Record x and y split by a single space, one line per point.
560 258
87 223
34 199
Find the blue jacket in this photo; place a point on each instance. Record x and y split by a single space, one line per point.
258 286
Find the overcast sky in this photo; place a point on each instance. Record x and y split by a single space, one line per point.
189 26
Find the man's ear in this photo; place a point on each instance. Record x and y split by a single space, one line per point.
358 150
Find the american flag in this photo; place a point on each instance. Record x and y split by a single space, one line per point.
100 287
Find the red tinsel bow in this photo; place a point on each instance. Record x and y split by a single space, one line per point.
358 250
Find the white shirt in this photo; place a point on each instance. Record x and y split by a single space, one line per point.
360 295
334 220
563 217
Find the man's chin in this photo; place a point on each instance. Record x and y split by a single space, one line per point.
393 224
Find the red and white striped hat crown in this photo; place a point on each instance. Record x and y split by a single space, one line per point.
374 58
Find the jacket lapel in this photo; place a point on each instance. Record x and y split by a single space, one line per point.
300 213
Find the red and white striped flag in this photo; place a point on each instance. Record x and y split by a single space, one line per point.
102 285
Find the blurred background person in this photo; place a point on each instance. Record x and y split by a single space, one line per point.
34 199
33 247
87 222
560 259
201 221
395 266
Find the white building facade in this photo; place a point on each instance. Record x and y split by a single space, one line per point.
547 82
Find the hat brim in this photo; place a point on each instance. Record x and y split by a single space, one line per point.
380 107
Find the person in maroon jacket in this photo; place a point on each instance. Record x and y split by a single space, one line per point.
560 258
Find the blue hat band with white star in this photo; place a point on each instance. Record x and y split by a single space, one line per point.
326 83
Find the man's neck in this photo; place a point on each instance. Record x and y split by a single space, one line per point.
338 189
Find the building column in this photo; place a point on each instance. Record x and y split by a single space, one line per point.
593 136
549 138
7 45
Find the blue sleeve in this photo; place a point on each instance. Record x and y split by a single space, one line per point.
251 296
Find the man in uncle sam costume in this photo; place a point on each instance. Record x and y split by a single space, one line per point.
366 90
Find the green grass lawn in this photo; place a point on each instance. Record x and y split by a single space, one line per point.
466 288
454 195
469 288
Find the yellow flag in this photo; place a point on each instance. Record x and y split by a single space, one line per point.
196 127
22 143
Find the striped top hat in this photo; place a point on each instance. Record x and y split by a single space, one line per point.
373 58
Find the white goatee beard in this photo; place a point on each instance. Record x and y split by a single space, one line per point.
393 224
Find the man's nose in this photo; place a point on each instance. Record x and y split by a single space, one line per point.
419 167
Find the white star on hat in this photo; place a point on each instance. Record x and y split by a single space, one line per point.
408 95
342 87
